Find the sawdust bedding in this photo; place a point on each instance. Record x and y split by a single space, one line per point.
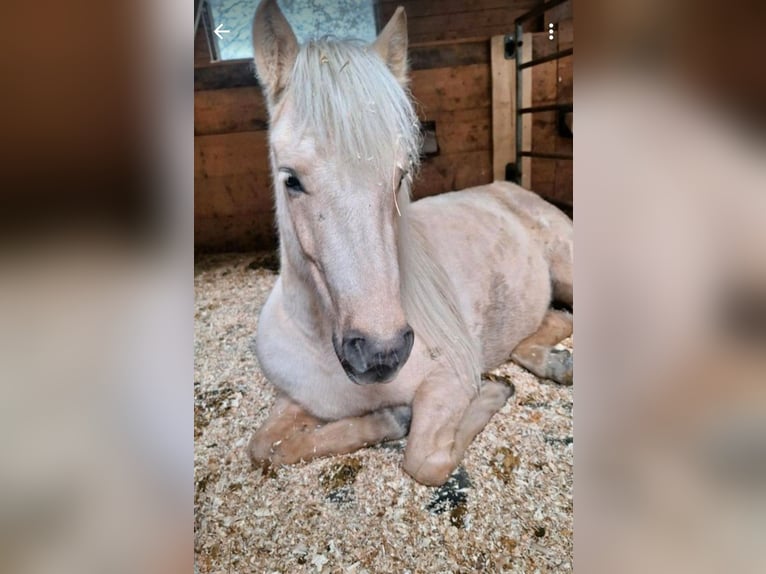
507 509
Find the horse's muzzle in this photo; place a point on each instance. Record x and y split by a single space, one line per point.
367 360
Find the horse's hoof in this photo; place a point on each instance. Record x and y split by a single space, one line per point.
260 452
433 471
561 366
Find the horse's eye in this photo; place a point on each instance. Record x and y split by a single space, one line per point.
294 184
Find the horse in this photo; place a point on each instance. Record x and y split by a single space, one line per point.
386 310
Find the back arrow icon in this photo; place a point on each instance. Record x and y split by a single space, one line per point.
218 31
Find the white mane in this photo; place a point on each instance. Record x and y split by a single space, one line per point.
352 105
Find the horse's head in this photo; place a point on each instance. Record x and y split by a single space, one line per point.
344 142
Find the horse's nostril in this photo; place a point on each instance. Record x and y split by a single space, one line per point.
357 343
354 344
408 336
371 360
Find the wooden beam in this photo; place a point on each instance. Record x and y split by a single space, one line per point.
449 89
228 111
226 74
448 54
428 56
421 8
503 108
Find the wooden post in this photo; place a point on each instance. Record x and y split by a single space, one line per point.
503 108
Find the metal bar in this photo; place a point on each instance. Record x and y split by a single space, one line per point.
518 35
539 11
549 108
542 155
198 9
207 22
550 57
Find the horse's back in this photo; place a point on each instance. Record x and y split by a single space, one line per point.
546 224
496 242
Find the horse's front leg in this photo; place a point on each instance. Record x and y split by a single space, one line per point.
289 437
445 420
285 420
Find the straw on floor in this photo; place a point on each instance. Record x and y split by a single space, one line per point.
507 509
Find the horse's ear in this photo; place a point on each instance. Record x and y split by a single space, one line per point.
391 45
275 48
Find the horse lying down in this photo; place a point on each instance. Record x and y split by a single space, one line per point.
386 312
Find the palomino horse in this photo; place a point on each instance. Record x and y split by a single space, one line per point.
386 312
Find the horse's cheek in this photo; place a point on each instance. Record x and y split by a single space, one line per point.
304 233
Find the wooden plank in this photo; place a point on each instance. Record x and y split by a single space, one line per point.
420 8
551 83
234 232
229 110
463 130
565 73
559 13
481 23
233 194
448 55
233 200
226 74
565 34
449 172
230 154
483 33
563 186
465 87
241 73
503 108
543 177
526 120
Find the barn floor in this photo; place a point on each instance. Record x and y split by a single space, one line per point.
508 510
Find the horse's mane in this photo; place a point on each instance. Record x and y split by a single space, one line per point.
350 103
430 301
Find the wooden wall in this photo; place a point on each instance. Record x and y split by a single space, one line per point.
233 196
432 20
552 82
450 80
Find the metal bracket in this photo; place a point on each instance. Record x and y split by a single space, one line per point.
430 144
510 46
561 124
512 173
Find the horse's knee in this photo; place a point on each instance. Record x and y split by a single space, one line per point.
434 470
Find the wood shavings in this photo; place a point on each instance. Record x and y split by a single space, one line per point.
284 520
